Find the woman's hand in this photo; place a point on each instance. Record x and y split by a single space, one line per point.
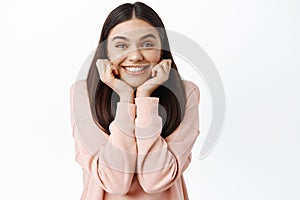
107 72
160 74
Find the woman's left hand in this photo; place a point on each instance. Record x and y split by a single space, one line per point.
160 74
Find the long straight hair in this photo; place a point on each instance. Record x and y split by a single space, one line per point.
103 100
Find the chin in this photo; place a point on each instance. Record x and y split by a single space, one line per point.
135 84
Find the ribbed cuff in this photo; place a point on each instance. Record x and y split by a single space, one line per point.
147 107
125 116
125 111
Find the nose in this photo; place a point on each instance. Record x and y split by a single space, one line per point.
135 55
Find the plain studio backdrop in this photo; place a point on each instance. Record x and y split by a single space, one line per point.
254 46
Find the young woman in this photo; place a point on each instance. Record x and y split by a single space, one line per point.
134 119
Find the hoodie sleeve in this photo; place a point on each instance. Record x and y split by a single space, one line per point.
109 159
162 161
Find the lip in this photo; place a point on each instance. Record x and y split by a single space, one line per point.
136 66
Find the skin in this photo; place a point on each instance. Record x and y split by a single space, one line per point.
133 43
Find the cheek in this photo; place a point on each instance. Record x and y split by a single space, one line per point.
152 56
115 56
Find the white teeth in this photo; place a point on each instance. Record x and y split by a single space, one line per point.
134 69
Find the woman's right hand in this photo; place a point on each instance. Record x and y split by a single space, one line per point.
107 72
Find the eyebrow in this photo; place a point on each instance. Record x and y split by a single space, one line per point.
142 38
120 37
148 35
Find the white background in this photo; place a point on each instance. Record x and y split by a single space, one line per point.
254 45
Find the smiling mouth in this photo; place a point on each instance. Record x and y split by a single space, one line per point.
135 69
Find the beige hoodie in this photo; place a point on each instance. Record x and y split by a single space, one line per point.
134 161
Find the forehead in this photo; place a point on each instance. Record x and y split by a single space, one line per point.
133 28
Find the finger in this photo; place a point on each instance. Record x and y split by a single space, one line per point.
153 73
167 67
103 67
100 66
154 70
100 62
162 64
163 67
114 69
160 70
169 62
164 70
110 69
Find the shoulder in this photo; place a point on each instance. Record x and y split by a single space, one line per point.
84 127
80 105
79 85
191 88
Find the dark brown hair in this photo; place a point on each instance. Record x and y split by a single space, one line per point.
171 94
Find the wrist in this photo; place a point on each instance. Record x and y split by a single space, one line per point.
127 98
140 93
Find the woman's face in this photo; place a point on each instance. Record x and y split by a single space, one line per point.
134 47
